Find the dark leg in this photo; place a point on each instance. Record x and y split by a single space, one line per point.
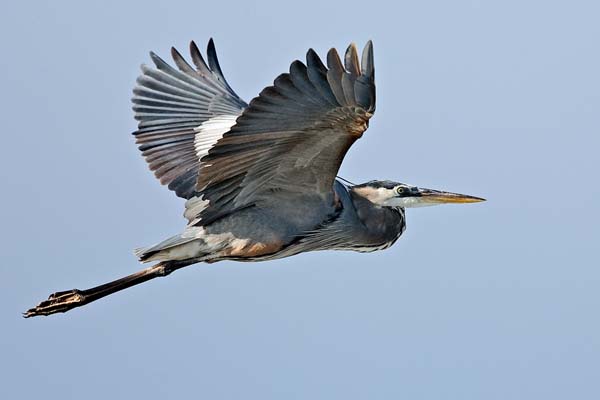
67 300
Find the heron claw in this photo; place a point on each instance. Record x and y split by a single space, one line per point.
56 303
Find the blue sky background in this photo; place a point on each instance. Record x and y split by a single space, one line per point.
490 301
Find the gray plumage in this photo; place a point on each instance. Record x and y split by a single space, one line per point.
270 177
259 179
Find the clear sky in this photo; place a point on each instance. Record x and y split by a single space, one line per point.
497 300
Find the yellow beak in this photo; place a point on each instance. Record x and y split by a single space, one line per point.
439 197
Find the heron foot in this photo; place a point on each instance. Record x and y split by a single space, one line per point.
57 302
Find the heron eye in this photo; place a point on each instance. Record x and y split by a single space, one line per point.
400 190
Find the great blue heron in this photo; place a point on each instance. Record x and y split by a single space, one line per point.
259 179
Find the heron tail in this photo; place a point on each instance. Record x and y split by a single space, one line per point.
165 250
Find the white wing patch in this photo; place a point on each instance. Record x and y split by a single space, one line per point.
207 135
211 131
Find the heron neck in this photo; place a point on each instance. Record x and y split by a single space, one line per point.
385 220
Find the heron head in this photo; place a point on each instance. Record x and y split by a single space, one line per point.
395 194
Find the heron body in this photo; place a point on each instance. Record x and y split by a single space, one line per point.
259 179
345 221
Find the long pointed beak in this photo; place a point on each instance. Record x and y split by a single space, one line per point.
438 197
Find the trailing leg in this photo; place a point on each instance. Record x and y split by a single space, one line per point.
67 300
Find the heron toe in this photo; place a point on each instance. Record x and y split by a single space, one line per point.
57 302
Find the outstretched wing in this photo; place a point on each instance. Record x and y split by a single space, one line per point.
181 114
292 138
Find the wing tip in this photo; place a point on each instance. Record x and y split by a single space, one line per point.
314 61
351 59
176 55
211 53
296 65
334 62
367 61
213 63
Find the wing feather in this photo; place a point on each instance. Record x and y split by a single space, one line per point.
172 104
292 138
317 74
334 76
351 60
